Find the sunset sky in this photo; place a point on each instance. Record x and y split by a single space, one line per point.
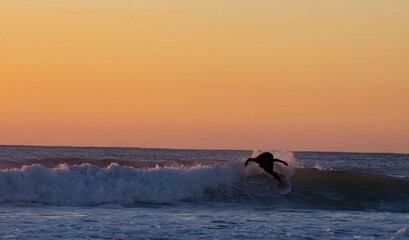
322 75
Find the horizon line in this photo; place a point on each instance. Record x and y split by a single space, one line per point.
194 149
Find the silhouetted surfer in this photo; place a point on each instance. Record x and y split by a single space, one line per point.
266 161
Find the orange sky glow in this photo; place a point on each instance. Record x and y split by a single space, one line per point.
236 74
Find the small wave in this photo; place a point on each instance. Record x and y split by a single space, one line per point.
402 233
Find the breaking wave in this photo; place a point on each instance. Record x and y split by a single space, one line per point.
87 184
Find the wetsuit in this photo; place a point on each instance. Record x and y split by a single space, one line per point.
266 161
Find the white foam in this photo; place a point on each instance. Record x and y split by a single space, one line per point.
402 233
321 167
87 184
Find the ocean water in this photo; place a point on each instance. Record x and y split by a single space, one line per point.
136 193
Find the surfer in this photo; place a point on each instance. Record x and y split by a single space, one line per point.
266 161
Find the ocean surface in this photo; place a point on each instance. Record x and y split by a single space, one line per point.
136 193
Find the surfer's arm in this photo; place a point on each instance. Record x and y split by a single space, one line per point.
251 160
281 161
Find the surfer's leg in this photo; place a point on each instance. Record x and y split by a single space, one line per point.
275 175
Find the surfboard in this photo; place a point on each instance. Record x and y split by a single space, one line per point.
283 186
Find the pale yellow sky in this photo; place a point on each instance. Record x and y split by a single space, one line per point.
303 75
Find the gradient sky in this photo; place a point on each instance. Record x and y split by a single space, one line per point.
302 75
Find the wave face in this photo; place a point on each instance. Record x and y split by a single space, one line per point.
91 185
350 189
